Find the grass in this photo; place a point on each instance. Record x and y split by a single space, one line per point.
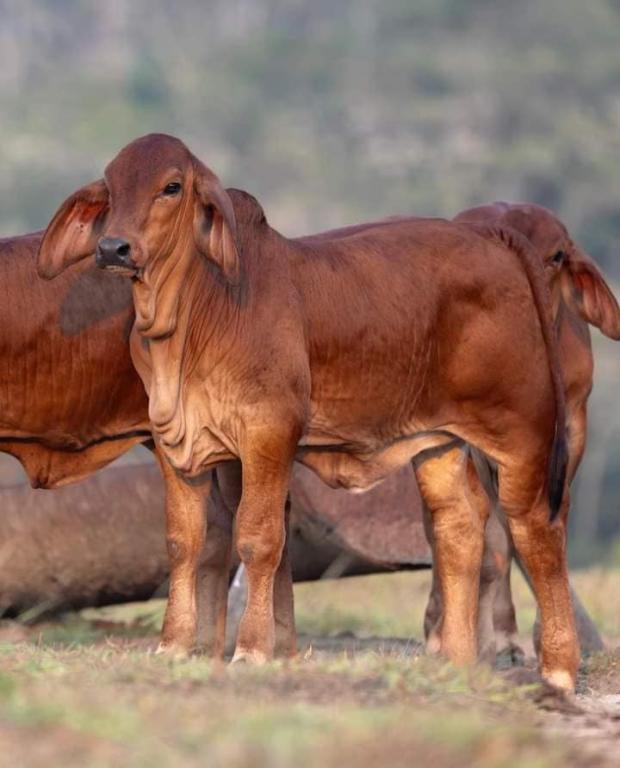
87 691
121 704
394 606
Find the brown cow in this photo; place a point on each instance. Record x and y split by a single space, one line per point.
352 356
580 296
70 401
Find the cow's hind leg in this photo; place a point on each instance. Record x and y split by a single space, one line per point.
490 572
541 546
495 567
458 533
434 607
284 605
505 618
494 560
213 577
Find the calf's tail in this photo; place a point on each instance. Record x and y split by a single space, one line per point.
558 456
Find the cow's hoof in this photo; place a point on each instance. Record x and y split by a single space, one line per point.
560 679
433 645
510 656
208 652
172 650
255 658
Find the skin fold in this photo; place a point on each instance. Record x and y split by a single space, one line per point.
354 356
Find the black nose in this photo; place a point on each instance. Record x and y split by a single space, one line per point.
113 252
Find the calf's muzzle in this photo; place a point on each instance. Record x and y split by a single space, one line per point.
114 252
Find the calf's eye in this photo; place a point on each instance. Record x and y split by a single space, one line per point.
172 189
558 257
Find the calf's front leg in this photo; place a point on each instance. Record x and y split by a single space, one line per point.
216 629
266 462
185 538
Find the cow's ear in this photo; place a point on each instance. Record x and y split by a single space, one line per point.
519 218
215 228
73 232
585 290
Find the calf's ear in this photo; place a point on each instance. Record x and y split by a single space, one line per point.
73 232
586 291
215 228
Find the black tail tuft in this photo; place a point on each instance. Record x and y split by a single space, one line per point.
558 462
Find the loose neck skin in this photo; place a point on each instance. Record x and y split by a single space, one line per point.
183 305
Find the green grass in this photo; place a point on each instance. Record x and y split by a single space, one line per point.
153 711
88 691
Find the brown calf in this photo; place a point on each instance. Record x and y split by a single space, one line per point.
580 297
353 356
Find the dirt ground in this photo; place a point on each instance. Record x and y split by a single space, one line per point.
87 690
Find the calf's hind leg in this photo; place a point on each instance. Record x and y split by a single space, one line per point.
434 607
284 605
213 577
494 571
541 546
458 533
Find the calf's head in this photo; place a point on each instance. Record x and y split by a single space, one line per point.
155 201
571 273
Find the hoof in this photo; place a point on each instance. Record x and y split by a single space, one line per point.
255 658
172 650
510 656
560 679
433 645
208 652
286 652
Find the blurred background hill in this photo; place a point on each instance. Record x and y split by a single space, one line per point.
333 112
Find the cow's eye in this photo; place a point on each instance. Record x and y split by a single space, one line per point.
172 189
558 257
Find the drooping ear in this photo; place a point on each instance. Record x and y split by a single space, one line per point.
215 228
584 288
73 232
